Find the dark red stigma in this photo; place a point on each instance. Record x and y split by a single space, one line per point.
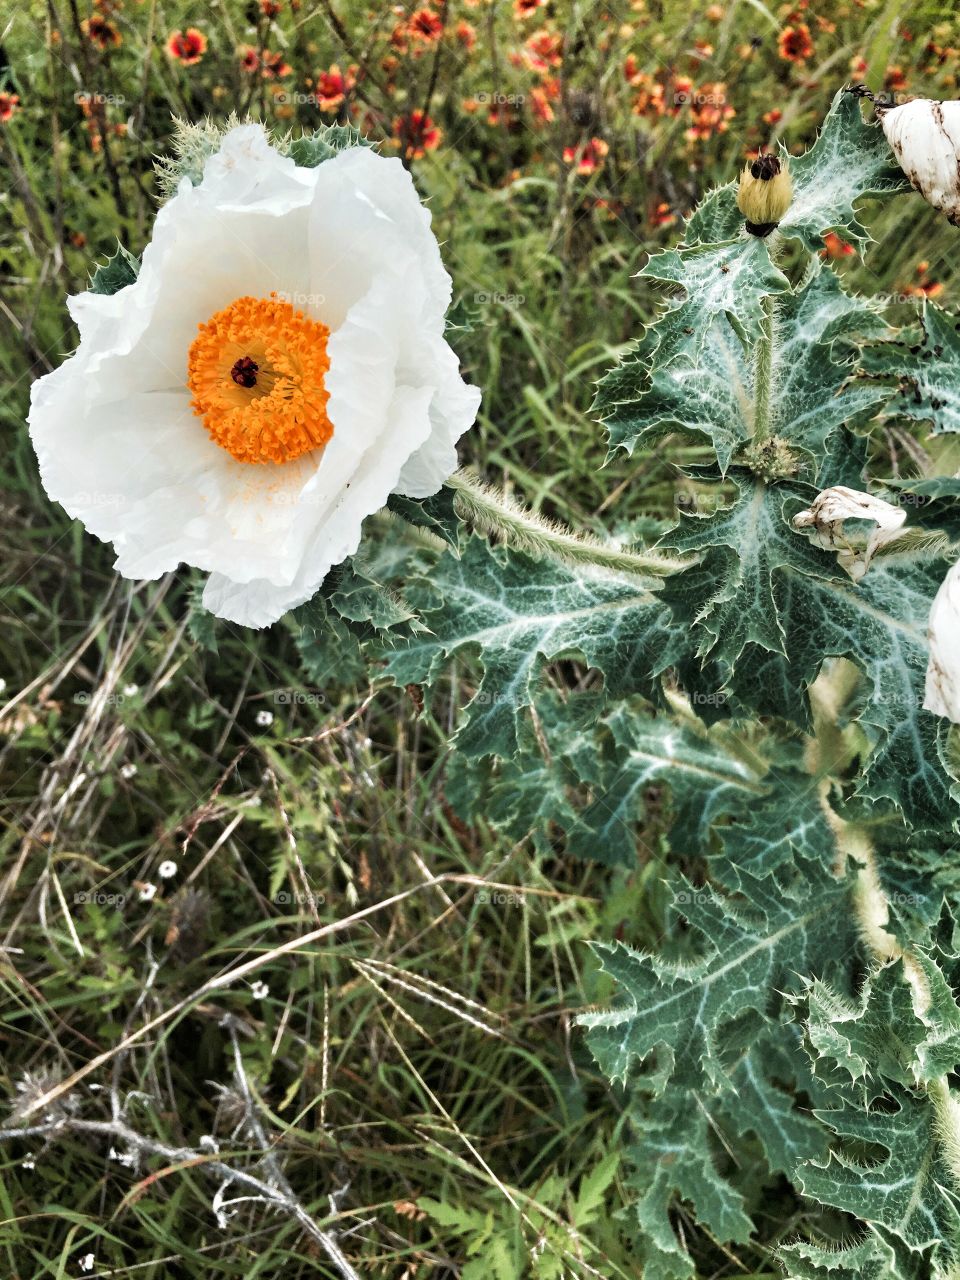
765 167
244 372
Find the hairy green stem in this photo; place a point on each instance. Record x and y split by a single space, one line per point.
492 512
763 374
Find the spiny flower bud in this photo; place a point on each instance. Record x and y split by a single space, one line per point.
766 190
925 137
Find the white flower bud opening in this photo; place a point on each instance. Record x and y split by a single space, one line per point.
942 692
925 137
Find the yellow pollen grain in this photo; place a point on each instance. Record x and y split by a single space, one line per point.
277 411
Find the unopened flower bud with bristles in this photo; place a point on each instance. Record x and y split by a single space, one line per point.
765 192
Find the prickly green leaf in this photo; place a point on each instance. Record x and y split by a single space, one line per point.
786 823
876 1033
329 648
437 514
892 1044
706 780
927 371
715 1150
761 1098
850 159
773 595
116 273
323 143
719 280
587 776
870 1259
880 625
704 395
358 598
716 218
746 550
671 384
908 1190
672 1158
516 614
938 1052
681 1010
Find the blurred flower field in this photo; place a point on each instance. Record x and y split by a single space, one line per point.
181 803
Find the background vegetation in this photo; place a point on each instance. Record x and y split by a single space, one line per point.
179 802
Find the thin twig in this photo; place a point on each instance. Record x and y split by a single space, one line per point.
280 1197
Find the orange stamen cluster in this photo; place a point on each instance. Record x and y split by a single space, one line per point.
256 370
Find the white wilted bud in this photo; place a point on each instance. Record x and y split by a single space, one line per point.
942 693
925 137
828 511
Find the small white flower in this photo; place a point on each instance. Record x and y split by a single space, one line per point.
148 892
925 137
259 990
942 692
28 1163
87 1262
128 771
276 371
131 690
167 869
264 719
3 684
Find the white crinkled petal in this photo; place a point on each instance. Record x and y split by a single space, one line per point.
367 220
119 445
942 693
260 602
386 226
453 411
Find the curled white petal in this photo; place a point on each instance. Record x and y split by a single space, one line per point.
119 446
942 692
925 137
826 515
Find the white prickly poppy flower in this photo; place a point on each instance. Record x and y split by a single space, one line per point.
942 692
925 137
277 369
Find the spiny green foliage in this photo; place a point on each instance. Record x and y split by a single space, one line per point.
757 1044
119 270
927 370
887 1053
517 613
191 145
323 144
706 1041
849 160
